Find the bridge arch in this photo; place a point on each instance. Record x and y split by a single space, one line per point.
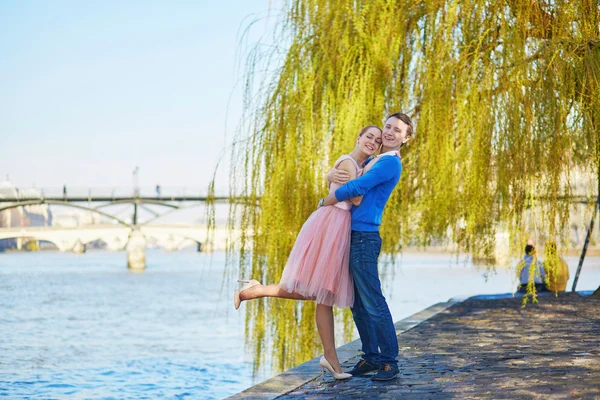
169 212
65 239
138 201
66 204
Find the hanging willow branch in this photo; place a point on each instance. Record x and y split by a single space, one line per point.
506 99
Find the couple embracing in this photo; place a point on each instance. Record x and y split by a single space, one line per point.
334 258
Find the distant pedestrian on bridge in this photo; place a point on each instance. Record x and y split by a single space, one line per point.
157 190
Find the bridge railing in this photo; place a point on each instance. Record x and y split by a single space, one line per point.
166 192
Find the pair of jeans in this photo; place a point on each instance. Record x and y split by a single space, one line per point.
370 310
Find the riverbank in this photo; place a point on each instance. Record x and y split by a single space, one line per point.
84 326
482 347
592 251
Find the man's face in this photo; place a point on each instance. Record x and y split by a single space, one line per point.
395 133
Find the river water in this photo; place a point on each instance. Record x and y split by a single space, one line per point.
83 326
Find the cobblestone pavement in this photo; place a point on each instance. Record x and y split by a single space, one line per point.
489 349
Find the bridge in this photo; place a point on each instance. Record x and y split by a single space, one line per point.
170 237
131 235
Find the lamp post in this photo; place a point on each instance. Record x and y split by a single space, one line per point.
136 186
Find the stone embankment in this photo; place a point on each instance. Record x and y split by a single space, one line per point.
485 347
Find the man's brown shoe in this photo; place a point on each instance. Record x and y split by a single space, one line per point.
362 368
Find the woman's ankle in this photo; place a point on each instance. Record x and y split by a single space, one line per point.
331 356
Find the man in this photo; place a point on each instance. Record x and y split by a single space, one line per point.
370 311
524 269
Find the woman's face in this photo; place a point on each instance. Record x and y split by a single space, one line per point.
370 141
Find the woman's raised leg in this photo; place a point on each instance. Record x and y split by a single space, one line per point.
258 291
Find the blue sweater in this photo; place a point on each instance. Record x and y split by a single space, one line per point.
376 186
538 274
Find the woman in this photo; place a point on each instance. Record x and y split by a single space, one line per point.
556 268
317 268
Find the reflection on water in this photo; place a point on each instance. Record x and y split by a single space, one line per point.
83 326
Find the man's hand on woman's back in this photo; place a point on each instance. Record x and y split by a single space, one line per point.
338 176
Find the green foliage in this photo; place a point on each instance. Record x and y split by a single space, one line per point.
32 245
506 100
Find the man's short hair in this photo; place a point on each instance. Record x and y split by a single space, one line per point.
529 249
404 118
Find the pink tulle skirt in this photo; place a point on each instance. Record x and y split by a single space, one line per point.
318 266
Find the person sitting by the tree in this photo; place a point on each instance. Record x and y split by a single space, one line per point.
556 268
528 272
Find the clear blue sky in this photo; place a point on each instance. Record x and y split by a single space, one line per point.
89 90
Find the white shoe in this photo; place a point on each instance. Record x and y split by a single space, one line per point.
337 375
247 285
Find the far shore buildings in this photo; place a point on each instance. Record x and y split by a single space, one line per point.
39 215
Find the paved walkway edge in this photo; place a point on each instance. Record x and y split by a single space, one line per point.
295 377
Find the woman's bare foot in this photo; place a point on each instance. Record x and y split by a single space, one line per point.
252 292
238 295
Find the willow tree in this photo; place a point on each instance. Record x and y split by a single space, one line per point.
506 100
